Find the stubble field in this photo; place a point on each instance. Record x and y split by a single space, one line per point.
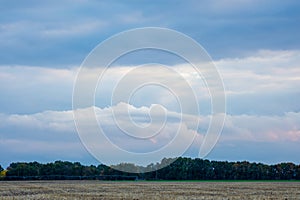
148 190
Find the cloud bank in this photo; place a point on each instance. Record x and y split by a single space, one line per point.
51 33
53 134
262 122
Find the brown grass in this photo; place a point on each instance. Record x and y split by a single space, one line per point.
148 190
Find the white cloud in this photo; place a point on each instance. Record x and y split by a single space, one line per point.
57 128
27 89
54 128
37 75
264 83
68 30
132 18
266 71
255 128
252 83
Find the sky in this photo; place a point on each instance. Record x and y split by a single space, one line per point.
255 46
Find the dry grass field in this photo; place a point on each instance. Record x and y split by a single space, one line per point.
148 190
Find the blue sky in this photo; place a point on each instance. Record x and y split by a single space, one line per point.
254 44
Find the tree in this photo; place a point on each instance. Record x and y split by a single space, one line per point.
175 169
2 173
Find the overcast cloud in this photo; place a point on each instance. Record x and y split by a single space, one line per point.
261 90
255 46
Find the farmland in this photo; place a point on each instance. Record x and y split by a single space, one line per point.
149 190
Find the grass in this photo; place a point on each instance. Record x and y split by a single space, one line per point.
149 190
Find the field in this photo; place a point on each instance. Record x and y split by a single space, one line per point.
148 190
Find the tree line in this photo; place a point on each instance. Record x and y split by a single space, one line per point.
179 169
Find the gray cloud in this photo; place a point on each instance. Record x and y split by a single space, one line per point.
53 134
262 110
265 83
255 45
27 89
51 33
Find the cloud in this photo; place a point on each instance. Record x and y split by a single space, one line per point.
265 83
143 129
73 30
255 45
262 128
261 89
26 89
52 33
53 132
266 71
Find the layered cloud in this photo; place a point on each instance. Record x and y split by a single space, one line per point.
53 133
51 33
262 104
265 83
26 89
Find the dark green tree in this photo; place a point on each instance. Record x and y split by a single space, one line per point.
175 169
